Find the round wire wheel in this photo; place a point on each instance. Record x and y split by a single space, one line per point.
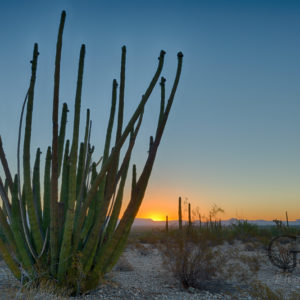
281 254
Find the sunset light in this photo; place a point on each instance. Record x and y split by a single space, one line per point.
157 217
232 136
150 149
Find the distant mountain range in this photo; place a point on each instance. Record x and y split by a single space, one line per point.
151 223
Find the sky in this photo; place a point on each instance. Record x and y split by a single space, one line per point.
232 138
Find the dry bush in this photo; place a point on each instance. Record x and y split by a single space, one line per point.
152 237
261 291
142 249
37 294
123 265
240 267
295 295
251 246
193 263
142 235
253 262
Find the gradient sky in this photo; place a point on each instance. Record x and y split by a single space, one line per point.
233 134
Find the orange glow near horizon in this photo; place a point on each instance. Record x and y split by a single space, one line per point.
156 217
158 207
161 201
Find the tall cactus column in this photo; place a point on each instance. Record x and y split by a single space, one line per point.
190 216
179 214
167 224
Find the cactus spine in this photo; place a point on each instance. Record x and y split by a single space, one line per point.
79 222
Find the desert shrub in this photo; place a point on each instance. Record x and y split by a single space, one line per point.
192 261
295 294
123 265
142 249
281 228
253 262
261 291
238 266
251 246
214 236
244 231
151 237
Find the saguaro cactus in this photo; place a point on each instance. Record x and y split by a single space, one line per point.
190 216
179 214
56 235
167 224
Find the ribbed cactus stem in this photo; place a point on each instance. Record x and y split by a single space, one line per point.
121 94
162 99
54 226
7 232
17 229
111 121
5 166
80 168
83 166
35 230
150 143
61 137
6 186
65 177
68 228
47 191
7 257
117 205
6 203
37 190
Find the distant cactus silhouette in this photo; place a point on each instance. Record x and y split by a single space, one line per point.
167 224
179 214
73 227
190 216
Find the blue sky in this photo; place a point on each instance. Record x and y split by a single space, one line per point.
233 133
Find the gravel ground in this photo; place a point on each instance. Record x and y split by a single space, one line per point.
140 275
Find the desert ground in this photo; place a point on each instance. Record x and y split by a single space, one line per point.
243 271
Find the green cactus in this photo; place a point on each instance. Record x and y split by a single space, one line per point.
75 223
37 190
47 191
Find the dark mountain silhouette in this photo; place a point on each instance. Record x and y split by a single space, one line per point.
150 222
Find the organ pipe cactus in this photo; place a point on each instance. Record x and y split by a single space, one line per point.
69 221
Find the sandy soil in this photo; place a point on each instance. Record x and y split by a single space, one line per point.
140 274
